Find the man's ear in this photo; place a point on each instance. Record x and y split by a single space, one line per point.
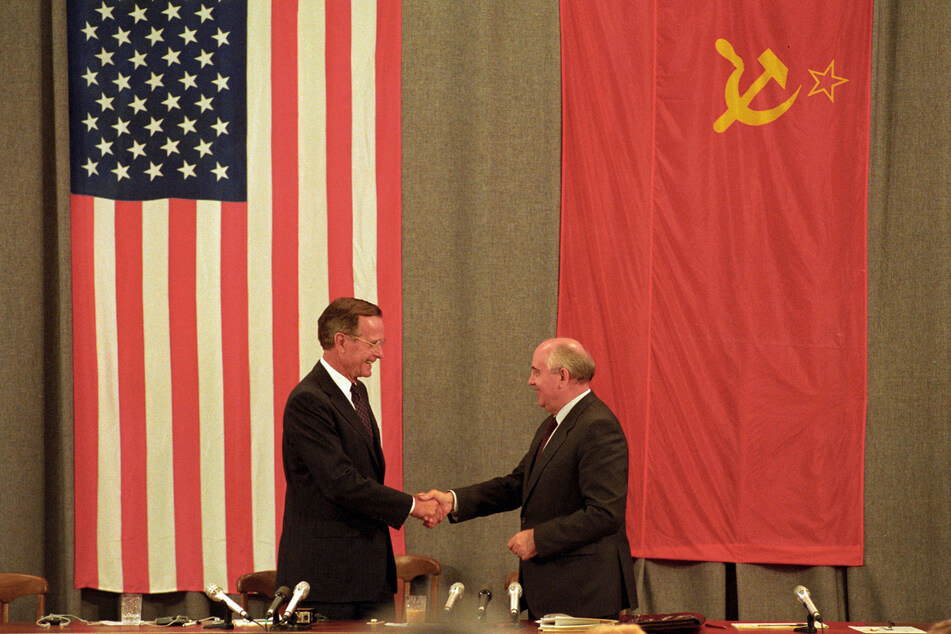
339 339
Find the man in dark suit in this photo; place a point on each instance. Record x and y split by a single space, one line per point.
572 489
337 512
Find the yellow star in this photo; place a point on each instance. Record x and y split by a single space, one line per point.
826 81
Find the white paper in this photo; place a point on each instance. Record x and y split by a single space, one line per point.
864 629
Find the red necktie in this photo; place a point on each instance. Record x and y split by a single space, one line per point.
552 424
363 408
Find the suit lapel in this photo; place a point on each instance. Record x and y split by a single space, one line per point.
376 443
555 443
343 406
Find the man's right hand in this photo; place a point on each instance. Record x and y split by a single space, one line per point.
444 501
428 510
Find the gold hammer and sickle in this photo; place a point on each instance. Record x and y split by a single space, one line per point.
738 105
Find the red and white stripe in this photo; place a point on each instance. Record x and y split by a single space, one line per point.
193 320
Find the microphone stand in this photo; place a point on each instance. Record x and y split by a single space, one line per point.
809 627
290 624
227 624
513 620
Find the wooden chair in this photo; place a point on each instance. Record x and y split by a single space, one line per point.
13 585
260 582
409 567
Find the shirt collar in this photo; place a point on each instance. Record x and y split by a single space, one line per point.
563 412
342 382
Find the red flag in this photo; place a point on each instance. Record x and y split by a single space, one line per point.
233 169
713 260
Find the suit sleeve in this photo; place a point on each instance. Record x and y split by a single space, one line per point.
492 496
602 481
498 494
314 430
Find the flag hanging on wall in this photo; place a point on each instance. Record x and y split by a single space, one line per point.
235 166
713 258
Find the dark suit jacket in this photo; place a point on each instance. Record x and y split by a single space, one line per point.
575 499
337 511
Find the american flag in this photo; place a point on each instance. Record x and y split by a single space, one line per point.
235 165
160 101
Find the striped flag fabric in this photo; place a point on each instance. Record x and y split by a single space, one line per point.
235 165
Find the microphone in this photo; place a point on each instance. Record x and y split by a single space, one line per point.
802 593
215 593
515 591
301 590
280 596
455 591
485 595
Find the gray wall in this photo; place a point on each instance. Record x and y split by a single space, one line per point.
481 153
36 471
481 118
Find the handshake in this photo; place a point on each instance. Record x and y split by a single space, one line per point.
432 507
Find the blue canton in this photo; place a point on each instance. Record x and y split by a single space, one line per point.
158 99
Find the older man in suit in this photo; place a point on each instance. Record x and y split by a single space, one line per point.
337 512
572 489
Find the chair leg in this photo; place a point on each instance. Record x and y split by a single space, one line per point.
399 600
433 595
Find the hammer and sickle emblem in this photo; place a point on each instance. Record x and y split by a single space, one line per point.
738 106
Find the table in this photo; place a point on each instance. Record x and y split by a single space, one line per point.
461 627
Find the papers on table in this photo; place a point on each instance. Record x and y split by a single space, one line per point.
566 623
863 629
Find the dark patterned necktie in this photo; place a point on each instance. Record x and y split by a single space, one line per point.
363 408
552 424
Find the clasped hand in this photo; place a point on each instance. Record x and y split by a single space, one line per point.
432 506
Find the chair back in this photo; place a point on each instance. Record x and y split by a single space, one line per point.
259 582
409 567
13 585
510 578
